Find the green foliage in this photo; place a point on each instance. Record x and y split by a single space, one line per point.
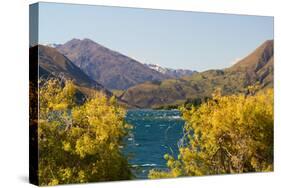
79 143
227 134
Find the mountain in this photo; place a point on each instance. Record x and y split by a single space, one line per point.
257 67
172 73
110 68
54 64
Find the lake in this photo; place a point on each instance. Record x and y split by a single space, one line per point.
154 133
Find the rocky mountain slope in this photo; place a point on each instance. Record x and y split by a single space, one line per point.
258 65
111 69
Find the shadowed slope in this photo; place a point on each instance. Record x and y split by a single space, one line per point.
53 64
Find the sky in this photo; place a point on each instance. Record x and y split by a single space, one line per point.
175 39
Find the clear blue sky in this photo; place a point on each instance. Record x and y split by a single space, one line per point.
175 39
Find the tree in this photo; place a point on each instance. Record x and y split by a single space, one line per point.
227 134
79 143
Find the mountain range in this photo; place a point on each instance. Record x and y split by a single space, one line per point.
92 66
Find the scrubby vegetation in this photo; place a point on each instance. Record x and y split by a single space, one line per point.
79 143
226 134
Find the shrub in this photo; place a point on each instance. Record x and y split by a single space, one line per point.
79 143
227 134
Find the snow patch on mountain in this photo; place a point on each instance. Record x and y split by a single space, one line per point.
176 73
52 45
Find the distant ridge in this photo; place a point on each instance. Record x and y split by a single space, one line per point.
172 73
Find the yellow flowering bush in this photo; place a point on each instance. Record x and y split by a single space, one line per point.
79 143
227 134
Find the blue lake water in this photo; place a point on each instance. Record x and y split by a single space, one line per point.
154 133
